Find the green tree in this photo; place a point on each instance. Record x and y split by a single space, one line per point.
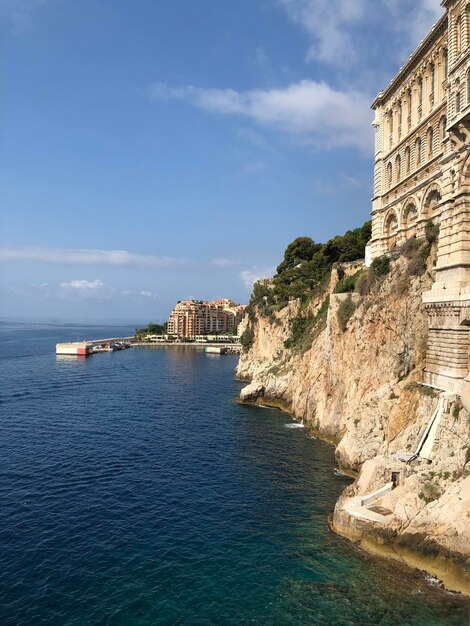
301 249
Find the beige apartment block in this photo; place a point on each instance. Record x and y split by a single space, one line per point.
192 318
422 173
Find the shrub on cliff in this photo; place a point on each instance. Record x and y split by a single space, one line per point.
304 329
411 247
381 265
348 284
365 282
431 232
262 298
418 263
300 328
430 492
247 338
344 313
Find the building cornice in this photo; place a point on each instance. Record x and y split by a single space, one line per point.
435 32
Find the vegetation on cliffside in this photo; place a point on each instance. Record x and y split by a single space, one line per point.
306 268
305 271
302 275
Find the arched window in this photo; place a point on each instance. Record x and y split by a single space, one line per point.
468 86
446 63
458 34
389 174
407 160
433 77
432 202
418 151
390 230
400 113
430 138
458 102
410 103
420 92
398 168
410 214
442 127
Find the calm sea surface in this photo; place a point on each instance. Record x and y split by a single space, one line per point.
134 490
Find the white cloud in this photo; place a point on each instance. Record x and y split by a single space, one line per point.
119 258
331 24
250 276
327 22
313 112
147 294
83 284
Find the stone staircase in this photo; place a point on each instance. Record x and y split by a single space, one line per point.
424 450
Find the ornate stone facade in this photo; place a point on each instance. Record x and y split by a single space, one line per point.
422 172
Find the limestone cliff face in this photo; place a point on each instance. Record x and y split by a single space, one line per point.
359 388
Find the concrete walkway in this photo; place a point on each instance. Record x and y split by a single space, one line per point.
360 506
354 508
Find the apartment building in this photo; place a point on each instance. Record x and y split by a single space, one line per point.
191 318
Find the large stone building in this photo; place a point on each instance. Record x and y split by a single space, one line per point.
191 318
422 173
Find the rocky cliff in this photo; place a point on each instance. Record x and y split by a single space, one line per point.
351 371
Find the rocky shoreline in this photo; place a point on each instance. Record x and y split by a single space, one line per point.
451 569
358 388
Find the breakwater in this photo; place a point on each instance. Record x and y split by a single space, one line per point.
112 344
222 348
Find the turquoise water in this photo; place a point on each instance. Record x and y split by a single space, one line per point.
134 490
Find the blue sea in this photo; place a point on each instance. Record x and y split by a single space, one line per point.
134 490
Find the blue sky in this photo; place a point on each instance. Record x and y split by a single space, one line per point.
152 151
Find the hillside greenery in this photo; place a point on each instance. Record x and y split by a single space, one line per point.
306 268
304 273
304 328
